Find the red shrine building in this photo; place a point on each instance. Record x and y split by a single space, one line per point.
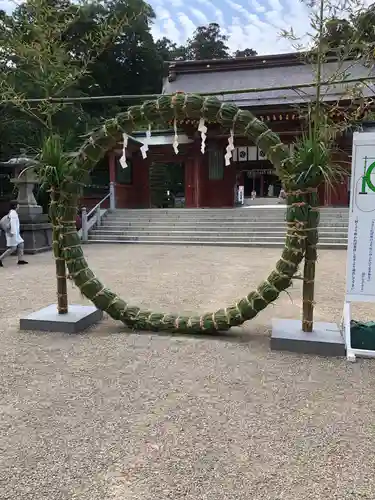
192 179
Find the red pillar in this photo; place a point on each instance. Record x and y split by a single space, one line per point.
144 182
198 178
190 183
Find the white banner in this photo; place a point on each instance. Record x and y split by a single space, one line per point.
360 274
241 194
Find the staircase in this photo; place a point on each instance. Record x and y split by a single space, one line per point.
253 226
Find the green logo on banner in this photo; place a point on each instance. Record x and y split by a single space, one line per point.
367 183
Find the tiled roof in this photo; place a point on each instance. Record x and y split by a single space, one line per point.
207 81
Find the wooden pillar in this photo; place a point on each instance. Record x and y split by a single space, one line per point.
261 185
112 166
327 195
112 179
197 176
190 182
146 183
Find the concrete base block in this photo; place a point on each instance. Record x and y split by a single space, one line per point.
48 320
37 238
324 340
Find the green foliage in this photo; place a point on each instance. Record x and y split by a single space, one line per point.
312 160
60 48
170 51
56 165
85 48
350 31
245 53
208 42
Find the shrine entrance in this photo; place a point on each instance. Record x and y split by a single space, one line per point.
264 182
167 185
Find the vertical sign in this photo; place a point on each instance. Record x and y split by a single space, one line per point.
360 274
241 194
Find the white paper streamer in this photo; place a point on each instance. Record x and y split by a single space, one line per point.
144 150
175 140
203 130
125 139
230 148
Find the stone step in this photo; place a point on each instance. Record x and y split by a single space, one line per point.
218 211
188 237
168 233
250 226
206 213
238 209
234 243
256 226
234 220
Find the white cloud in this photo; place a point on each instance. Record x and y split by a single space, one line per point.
252 24
199 16
257 6
187 25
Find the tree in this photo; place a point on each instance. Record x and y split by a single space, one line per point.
363 23
245 53
169 51
208 42
131 64
41 59
315 150
337 32
355 30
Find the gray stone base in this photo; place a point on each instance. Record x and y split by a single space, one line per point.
48 320
37 237
324 340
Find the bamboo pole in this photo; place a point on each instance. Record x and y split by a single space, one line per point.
308 286
60 264
311 254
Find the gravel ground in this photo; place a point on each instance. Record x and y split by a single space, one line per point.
116 415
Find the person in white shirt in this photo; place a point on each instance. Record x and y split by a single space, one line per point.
13 236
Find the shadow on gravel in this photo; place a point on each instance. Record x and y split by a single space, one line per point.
258 334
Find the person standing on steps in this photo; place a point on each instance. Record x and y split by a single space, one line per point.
13 237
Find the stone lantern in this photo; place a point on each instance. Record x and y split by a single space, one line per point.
35 227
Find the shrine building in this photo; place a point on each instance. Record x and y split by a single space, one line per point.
193 179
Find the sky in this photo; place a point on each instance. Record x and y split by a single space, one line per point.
254 24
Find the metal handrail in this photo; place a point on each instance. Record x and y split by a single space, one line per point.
98 205
95 217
